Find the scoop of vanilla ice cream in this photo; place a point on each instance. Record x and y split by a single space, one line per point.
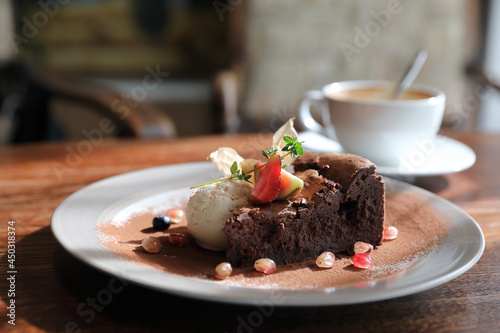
210 206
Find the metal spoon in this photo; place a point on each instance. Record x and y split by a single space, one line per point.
411 74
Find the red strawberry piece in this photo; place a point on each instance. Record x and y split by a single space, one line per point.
269 183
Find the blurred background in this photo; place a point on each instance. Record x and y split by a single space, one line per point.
174 68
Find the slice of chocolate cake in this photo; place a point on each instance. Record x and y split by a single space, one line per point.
342 202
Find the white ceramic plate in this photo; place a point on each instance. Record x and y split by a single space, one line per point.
444 156
74 225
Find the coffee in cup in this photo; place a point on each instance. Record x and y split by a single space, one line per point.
377 93
364 118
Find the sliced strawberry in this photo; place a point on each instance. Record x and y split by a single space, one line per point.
268 185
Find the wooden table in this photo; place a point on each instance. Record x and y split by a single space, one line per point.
52 288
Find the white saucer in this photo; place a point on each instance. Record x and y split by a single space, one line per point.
447 156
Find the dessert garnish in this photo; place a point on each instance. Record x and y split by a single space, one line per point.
151 244
210 206
223 270
176 215
390 233
267 186
251 167
362 247
362 260
265 265
177 239
325 260
235 167
161 222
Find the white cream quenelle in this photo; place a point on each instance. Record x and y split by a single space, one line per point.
210 206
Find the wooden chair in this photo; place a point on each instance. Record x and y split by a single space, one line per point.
36 89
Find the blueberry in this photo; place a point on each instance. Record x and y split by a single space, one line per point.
161 222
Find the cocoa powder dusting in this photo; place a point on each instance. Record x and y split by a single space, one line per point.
420 230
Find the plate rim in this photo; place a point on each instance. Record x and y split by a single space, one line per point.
220 293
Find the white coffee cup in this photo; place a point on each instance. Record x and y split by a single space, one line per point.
364 119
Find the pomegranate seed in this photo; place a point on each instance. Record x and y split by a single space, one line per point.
223 270
177 239
151 244
265 265
362 247
390 232
362 260
176 215
325 260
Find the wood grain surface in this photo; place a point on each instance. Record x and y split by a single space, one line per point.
53 290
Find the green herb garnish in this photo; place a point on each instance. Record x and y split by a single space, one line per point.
239 174
292 147
267 153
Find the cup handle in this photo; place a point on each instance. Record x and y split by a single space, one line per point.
308 121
